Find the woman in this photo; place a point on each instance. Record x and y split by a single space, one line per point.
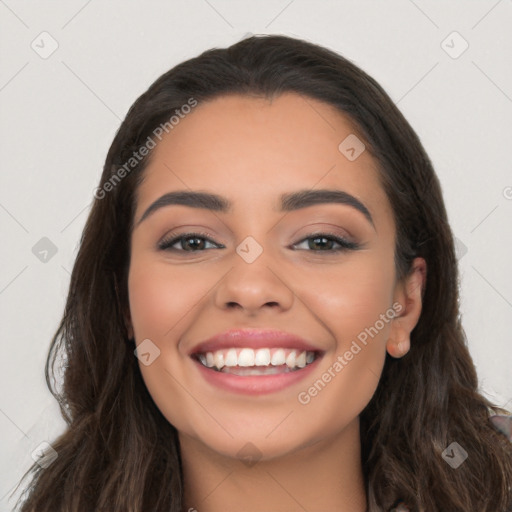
270 240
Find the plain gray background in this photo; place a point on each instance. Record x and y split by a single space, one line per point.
60 111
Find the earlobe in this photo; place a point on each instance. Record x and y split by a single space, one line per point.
397 348
410 295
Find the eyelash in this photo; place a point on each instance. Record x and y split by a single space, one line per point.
345 245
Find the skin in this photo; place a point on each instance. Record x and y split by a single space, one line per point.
252 150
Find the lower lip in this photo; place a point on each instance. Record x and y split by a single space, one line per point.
254 384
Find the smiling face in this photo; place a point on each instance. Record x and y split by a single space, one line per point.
319 266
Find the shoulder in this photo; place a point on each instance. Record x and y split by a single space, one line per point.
503 423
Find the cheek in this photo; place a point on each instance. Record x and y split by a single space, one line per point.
160 299
352 296
161 296
354 303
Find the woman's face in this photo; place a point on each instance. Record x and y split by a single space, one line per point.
268 260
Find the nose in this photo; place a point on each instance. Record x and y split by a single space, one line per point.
254 287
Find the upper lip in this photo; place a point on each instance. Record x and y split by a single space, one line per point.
253 338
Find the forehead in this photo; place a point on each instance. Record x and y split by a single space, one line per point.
251 149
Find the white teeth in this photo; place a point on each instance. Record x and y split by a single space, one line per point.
279 357
231 358
301 360
209 359
246 357
263 357
290 360
218 359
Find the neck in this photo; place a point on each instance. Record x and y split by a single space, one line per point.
324 476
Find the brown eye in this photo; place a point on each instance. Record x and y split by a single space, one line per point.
188 242
327 242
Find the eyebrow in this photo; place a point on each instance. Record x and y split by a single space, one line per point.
289 202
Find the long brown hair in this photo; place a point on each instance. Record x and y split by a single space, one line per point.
120 453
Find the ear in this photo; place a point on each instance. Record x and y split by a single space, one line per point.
408 296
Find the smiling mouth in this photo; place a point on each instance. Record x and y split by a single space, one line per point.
263 361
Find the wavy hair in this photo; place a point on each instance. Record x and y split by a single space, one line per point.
119 453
